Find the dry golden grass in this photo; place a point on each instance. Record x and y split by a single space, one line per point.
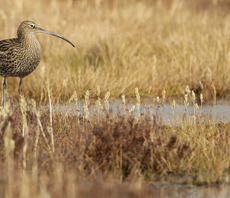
120 45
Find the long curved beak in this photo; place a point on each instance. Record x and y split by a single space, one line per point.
40 30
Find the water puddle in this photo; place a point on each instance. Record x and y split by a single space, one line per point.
218 113
181 191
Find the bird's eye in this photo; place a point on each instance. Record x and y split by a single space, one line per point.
32 26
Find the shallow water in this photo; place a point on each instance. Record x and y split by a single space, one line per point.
182 191
218 113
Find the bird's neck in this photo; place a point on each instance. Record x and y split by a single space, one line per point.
29 41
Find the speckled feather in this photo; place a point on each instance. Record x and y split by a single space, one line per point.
19 57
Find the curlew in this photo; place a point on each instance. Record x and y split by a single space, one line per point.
20 56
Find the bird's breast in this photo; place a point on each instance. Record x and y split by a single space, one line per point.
30 57
19 57
34 54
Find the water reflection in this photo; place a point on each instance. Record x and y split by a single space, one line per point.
219 112
179 191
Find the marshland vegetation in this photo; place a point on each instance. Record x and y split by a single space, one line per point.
123 48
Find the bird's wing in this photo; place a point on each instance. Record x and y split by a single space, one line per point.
7 47
3 49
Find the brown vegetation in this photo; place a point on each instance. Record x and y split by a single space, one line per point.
59 152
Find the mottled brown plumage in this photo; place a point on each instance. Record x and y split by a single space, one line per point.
20 56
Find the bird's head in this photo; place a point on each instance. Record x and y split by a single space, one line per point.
29 27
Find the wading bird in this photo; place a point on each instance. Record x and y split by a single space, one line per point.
20 56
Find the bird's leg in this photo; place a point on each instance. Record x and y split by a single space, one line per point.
20 87
20 93
4 88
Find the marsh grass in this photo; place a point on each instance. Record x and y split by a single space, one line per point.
44 151
120 45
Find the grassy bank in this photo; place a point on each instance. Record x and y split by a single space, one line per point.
45 151
120 45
